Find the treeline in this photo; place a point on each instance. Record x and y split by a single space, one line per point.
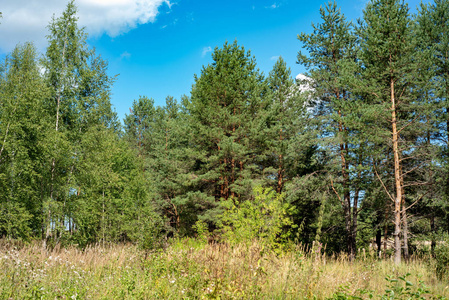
355 151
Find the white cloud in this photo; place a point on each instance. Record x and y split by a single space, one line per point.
273 6
276 57
125 55
26 20
206 50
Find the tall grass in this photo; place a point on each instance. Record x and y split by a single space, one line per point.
189 269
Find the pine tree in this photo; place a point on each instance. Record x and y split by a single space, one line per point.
223 108
433 19
389 75
285 145
332 45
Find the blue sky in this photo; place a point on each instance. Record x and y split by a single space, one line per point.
156 46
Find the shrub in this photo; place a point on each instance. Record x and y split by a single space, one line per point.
442 258
267 218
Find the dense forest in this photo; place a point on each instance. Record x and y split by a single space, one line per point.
353 153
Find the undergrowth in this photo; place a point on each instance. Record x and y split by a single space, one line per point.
193 269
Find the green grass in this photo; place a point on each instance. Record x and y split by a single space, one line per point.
189 269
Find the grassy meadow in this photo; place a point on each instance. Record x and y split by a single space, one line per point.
190 269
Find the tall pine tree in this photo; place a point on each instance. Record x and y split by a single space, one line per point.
329 47
387 49
223 107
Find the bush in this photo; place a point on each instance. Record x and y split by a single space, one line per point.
266 218
442 258
14 221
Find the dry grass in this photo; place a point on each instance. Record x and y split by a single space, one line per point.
190 270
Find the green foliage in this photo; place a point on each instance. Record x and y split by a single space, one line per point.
332 51
399 288
23 137
70 176
223 113
188 269
266 218
442 257
286 147
15 221
202 230
150 225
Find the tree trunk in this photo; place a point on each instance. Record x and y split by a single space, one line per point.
379 241
346 192
354 222
346 201
404 221
386 229
405 235
397 179
432 230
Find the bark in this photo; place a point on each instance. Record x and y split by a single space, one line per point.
354 222
432 230
404 221
405 235
397 178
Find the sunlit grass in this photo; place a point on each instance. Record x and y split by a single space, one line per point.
189 269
